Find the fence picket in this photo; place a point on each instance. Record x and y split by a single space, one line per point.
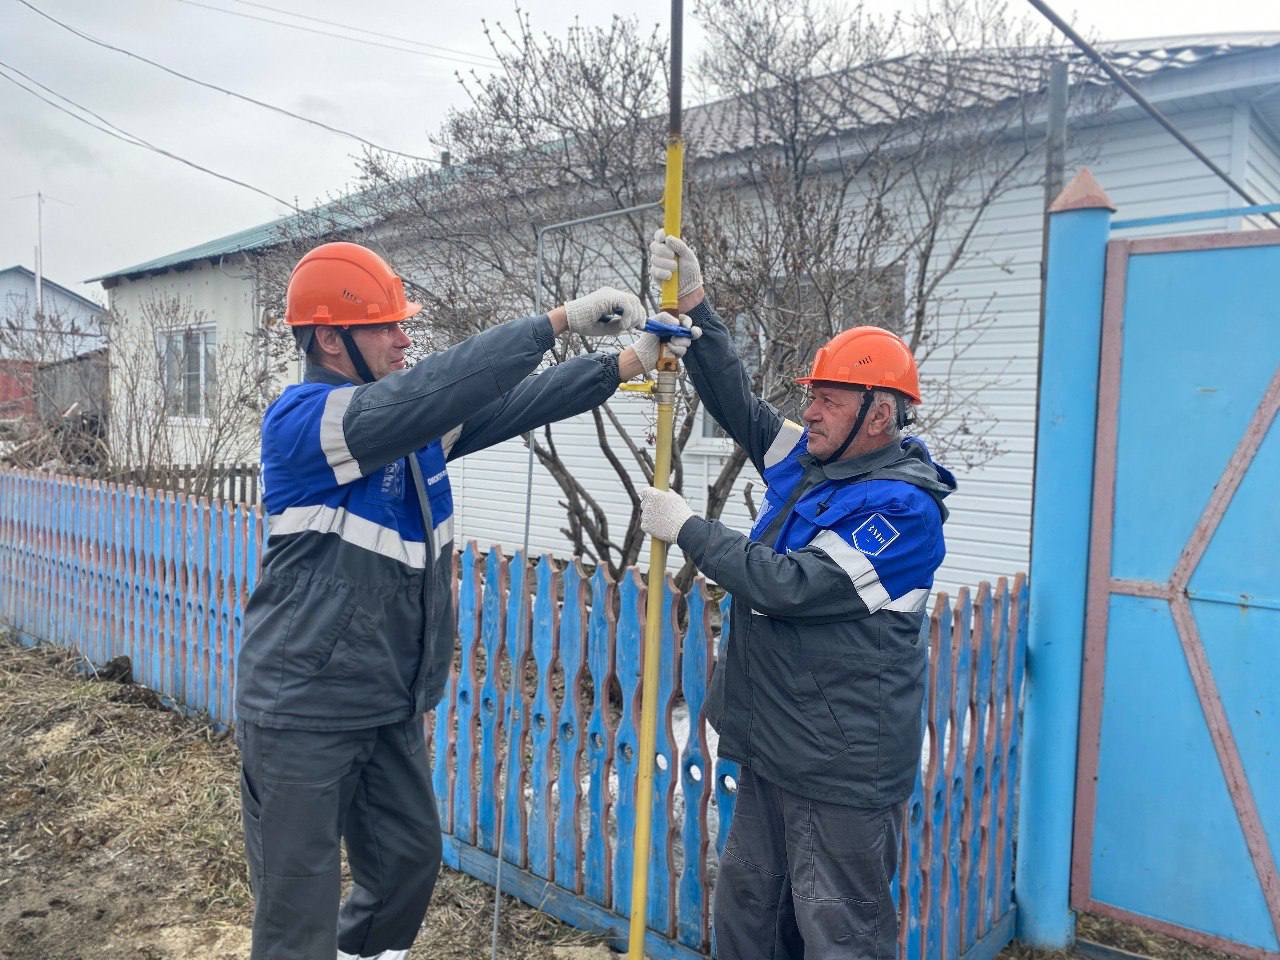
517 713
441 732
221 562
938 883
601 639
631 604
464 796
492 630
915 882
193 640
692 903
99 569
662 877
974 840
962 647
569 727
542 716
725 789
991 909
1018 656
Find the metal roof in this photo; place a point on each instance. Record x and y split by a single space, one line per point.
880 89
251 239
325 218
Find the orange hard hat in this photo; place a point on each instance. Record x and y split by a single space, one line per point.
867 357
344 284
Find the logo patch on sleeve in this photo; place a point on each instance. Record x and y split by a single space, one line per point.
874 535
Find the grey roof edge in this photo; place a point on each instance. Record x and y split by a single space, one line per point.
45 281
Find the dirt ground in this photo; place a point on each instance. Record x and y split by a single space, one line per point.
120 838
120 834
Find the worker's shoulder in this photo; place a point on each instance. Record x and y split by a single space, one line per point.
889 493
890 498
299 400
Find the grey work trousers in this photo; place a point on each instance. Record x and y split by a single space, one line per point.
804 880
302 792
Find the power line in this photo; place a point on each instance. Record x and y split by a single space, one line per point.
214 86
1155 113
111 130
373 33
337 36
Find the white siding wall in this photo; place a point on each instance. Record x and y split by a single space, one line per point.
1145 172
223 295
1262 169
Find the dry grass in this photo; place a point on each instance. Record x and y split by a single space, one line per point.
114 772
1125 936
120 832
120 838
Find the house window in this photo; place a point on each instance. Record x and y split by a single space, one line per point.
867 297
189 371
874 297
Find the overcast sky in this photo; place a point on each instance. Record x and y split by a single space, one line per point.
111 205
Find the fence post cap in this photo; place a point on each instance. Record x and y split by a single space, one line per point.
1082 193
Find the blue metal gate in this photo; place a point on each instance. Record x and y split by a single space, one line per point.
1178 791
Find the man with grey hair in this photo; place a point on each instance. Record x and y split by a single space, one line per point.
817 691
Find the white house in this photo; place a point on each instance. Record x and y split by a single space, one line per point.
1223 91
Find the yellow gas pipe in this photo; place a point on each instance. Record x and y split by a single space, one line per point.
664 394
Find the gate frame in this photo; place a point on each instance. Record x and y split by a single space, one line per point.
1102 585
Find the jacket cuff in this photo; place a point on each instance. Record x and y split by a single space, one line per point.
544 335
702 314
693 540
609 361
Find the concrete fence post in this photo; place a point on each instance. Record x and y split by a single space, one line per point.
1079 226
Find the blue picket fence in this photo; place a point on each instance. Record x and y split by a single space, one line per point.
162 578
118 570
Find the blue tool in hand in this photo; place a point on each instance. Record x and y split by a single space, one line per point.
663 331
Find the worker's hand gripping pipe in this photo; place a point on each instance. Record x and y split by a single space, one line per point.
664 394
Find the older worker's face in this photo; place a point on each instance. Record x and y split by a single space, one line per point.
829 417
383 346
831 413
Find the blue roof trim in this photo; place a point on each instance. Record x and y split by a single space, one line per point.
45 281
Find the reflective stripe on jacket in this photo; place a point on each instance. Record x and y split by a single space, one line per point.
352 623
820 681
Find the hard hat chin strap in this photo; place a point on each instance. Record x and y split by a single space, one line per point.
863 410
357 358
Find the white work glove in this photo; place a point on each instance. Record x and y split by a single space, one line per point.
605 313
646 345
663 513
665 253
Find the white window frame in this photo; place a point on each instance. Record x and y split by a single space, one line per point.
702 441
204 332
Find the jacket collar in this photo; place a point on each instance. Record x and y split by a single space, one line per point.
855 466
315 373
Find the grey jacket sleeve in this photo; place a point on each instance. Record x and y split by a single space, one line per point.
724 387
364 429
804 585
563 391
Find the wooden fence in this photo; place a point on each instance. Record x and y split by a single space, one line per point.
160 577
237 482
